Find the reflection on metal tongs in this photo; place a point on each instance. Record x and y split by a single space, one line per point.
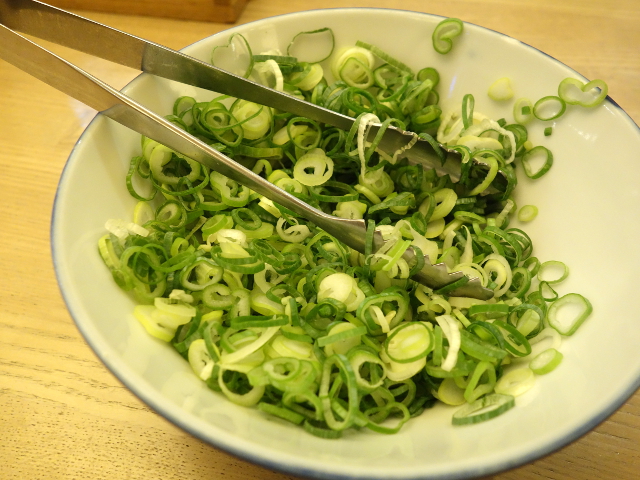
64 28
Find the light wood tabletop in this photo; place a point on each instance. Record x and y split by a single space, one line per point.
63 415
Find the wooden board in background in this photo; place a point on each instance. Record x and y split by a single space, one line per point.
225 11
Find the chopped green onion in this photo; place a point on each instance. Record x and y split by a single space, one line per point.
408 342
273 313
575 92
444 33
431 74
475 388
523 111
553 272
516 382
283 413
483 409
468 103
567 313
549 108
546 361
345 334
235 57
450 393
385 57
527 213
322 40
515 342
537 161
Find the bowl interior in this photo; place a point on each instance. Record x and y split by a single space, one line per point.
589 219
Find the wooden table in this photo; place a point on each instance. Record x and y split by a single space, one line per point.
63 415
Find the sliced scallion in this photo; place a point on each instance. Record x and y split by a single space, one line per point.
385 57
527 213
483 409
523 111
549 108
444 33
546 361
567 313
516 382
537 161
322 39
274 313
553 272
575 92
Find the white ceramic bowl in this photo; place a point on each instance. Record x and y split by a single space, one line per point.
589 218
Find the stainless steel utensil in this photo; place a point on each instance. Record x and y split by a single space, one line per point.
56 25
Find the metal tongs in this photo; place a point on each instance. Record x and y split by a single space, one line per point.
79 33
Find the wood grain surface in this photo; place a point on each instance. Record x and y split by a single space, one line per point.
63 415
225 11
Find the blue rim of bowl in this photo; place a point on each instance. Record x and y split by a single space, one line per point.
280 466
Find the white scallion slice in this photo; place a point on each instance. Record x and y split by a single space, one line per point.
527 213
450 393
515 382
451 332
313 168
409 342
501 89
144 314
200 360
364 56
143 213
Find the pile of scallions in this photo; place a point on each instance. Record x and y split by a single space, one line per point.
276 314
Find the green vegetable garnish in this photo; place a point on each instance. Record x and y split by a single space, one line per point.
444 33
274 313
